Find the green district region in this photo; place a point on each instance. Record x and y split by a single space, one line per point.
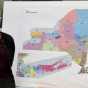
48 46
34 36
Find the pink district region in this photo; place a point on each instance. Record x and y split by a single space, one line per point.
53 40
39 46
48 37
48 68
70 17
42 37
62 66
64 42
56 66
35 46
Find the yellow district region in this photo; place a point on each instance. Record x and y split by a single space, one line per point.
77 61
32 71
23 55
20 60
36 33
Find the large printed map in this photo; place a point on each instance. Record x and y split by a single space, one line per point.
69 34
43 67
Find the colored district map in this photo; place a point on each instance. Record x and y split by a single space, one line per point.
70 34
42 68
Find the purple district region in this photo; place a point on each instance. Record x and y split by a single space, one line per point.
69 30
20 74
35 46
79 49
40 71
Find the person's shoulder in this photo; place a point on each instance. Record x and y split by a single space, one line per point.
5 35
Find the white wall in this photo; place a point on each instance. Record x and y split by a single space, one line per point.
2 2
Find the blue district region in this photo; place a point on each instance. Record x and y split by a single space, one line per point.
19 63
81 27
22 70
82 13
78 37
53 34
57 37
37 68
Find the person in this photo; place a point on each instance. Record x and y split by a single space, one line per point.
0 17
7 50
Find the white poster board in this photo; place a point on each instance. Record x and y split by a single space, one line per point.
11 26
